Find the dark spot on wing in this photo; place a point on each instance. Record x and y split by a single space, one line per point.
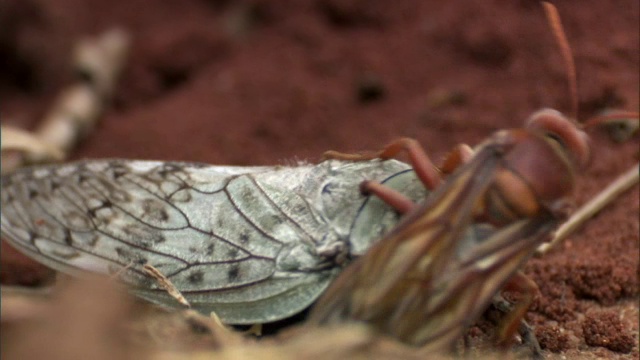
167 169
54 185
232 253
117 170
164 171
106 204
276 219
131 256
93 240
33 193
67 237
234 273
155 210
196 277
247 195
32 236
81 179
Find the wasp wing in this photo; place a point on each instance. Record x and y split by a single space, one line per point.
467 284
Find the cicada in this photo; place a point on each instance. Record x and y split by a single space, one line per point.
252 244
433 275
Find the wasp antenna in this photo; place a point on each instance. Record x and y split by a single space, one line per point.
553 18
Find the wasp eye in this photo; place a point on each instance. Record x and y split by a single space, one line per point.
557 127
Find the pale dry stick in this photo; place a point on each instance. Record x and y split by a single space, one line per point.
605 197
25 141
99 61
166 284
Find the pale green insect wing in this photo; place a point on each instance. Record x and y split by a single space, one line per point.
253 244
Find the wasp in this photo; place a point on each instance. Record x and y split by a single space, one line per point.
432 276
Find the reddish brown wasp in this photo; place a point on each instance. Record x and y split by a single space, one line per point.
433 275
438 270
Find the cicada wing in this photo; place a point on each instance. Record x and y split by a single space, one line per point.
196 224
407 262
249 243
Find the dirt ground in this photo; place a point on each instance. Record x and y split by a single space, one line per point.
267 82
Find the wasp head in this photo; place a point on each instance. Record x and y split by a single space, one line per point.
538 169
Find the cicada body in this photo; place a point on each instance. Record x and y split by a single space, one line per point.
252 244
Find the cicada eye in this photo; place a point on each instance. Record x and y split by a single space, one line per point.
557 127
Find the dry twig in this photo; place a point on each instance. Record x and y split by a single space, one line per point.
605 197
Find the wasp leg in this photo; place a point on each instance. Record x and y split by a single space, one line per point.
527 334
530 340
393 198
337 155
520 283
460 155
426 171
422 165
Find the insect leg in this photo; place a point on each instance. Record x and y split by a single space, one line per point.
460 155
426 171
519 282
530 343
393 198
423 166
